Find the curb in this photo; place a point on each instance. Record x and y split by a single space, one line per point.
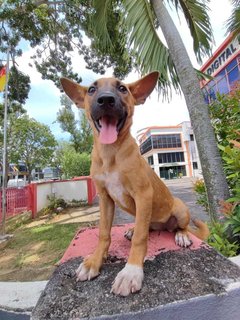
20 296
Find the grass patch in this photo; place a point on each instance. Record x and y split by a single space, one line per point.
37 247
54 239
18 221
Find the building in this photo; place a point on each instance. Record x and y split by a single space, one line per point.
170 151
47 173
224 67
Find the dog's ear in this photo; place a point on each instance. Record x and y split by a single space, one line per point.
142 88
75 91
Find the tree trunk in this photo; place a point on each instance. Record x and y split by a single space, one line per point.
214 177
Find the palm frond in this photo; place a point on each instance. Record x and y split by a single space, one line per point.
197 18
152 54
236 3
203 76
233 23
99 22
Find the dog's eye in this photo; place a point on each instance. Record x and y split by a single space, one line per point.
122 89
91 90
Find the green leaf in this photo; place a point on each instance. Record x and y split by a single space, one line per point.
236 230
233 199
233 23
99 22
195 13
152 53
233 175
218 239
221 147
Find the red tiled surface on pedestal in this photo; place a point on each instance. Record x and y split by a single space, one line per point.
85 242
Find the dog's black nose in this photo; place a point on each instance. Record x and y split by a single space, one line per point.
106 99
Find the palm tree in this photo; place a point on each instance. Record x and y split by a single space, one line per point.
214 177
142 18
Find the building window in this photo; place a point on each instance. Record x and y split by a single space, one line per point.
150 160
233 76
165 141
191 137
222 85
224 81
195 165
172 172
171 157
146 145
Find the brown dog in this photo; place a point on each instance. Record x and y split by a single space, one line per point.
123 177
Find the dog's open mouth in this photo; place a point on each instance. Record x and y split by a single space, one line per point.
109 128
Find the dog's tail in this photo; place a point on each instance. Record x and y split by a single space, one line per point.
202 231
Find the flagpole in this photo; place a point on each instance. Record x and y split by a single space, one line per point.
4 162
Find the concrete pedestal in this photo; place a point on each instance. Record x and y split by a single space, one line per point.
178 284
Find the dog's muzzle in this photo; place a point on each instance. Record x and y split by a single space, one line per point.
109 116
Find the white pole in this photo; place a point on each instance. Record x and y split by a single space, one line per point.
4 162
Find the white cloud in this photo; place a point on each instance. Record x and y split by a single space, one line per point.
23 64
156 112
220 12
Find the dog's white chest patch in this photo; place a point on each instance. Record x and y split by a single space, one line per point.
113 185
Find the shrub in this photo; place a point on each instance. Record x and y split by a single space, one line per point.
225 115
55 203
233 222
218 239
231 158
199 188
75 164
224 234
77 203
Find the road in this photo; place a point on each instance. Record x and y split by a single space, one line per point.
6 315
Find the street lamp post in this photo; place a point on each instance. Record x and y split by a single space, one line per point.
4 162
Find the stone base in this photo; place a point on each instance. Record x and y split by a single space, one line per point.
182 284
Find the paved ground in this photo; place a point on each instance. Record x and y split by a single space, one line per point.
180 188
183 189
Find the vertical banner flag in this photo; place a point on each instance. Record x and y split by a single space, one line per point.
2 78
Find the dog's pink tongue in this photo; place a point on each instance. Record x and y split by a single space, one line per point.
108 132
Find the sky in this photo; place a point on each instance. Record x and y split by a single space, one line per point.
44 98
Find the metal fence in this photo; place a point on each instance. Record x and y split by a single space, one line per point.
17 201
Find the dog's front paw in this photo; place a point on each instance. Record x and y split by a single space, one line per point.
86 272
182 239
128 280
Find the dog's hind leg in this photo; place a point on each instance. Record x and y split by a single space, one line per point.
129 234
91 265
182 238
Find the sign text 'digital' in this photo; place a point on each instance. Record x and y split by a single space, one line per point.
224 57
